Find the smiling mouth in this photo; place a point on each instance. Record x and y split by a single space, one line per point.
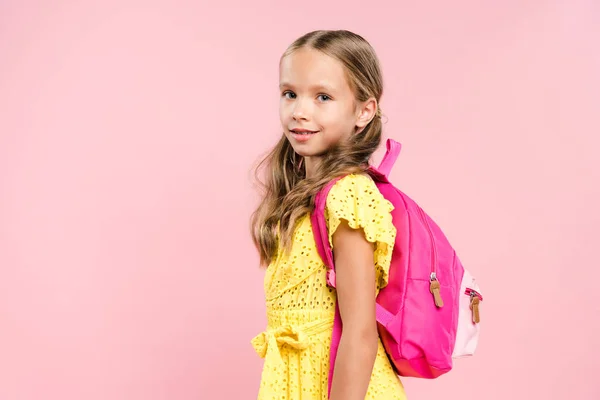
303 136
304 132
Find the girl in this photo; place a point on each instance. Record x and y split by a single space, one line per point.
330 84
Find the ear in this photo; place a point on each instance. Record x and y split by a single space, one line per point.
366 113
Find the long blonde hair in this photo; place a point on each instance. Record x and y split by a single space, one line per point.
287 193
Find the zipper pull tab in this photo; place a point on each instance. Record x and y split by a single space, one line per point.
434 288
475 307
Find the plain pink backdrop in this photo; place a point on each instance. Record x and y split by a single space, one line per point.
127 133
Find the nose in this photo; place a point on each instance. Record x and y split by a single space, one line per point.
299 111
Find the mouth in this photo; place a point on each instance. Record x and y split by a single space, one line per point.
302 132
302 135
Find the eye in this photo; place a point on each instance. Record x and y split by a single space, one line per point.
285 94
324 97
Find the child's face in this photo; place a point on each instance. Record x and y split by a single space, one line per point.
315 96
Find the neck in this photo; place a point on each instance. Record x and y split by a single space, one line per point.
311 164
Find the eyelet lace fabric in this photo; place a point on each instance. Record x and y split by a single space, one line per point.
301 307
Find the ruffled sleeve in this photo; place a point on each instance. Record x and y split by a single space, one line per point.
356 199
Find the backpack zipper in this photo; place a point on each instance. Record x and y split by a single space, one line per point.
434 284
474 305
473 292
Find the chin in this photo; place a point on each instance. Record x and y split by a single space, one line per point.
301 152
304 152
314 149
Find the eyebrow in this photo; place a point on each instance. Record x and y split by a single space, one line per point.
321 86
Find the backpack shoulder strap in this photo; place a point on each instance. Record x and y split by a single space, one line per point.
319 227
390 157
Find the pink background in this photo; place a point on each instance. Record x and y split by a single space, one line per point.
127 133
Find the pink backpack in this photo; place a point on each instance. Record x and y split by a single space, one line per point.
428 313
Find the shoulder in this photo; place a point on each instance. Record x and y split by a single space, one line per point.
353 184
356 194
354 188
356 199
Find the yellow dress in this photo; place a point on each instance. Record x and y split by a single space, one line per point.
301 307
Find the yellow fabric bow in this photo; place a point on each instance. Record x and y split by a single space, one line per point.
267 342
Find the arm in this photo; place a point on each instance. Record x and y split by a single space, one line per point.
356 291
